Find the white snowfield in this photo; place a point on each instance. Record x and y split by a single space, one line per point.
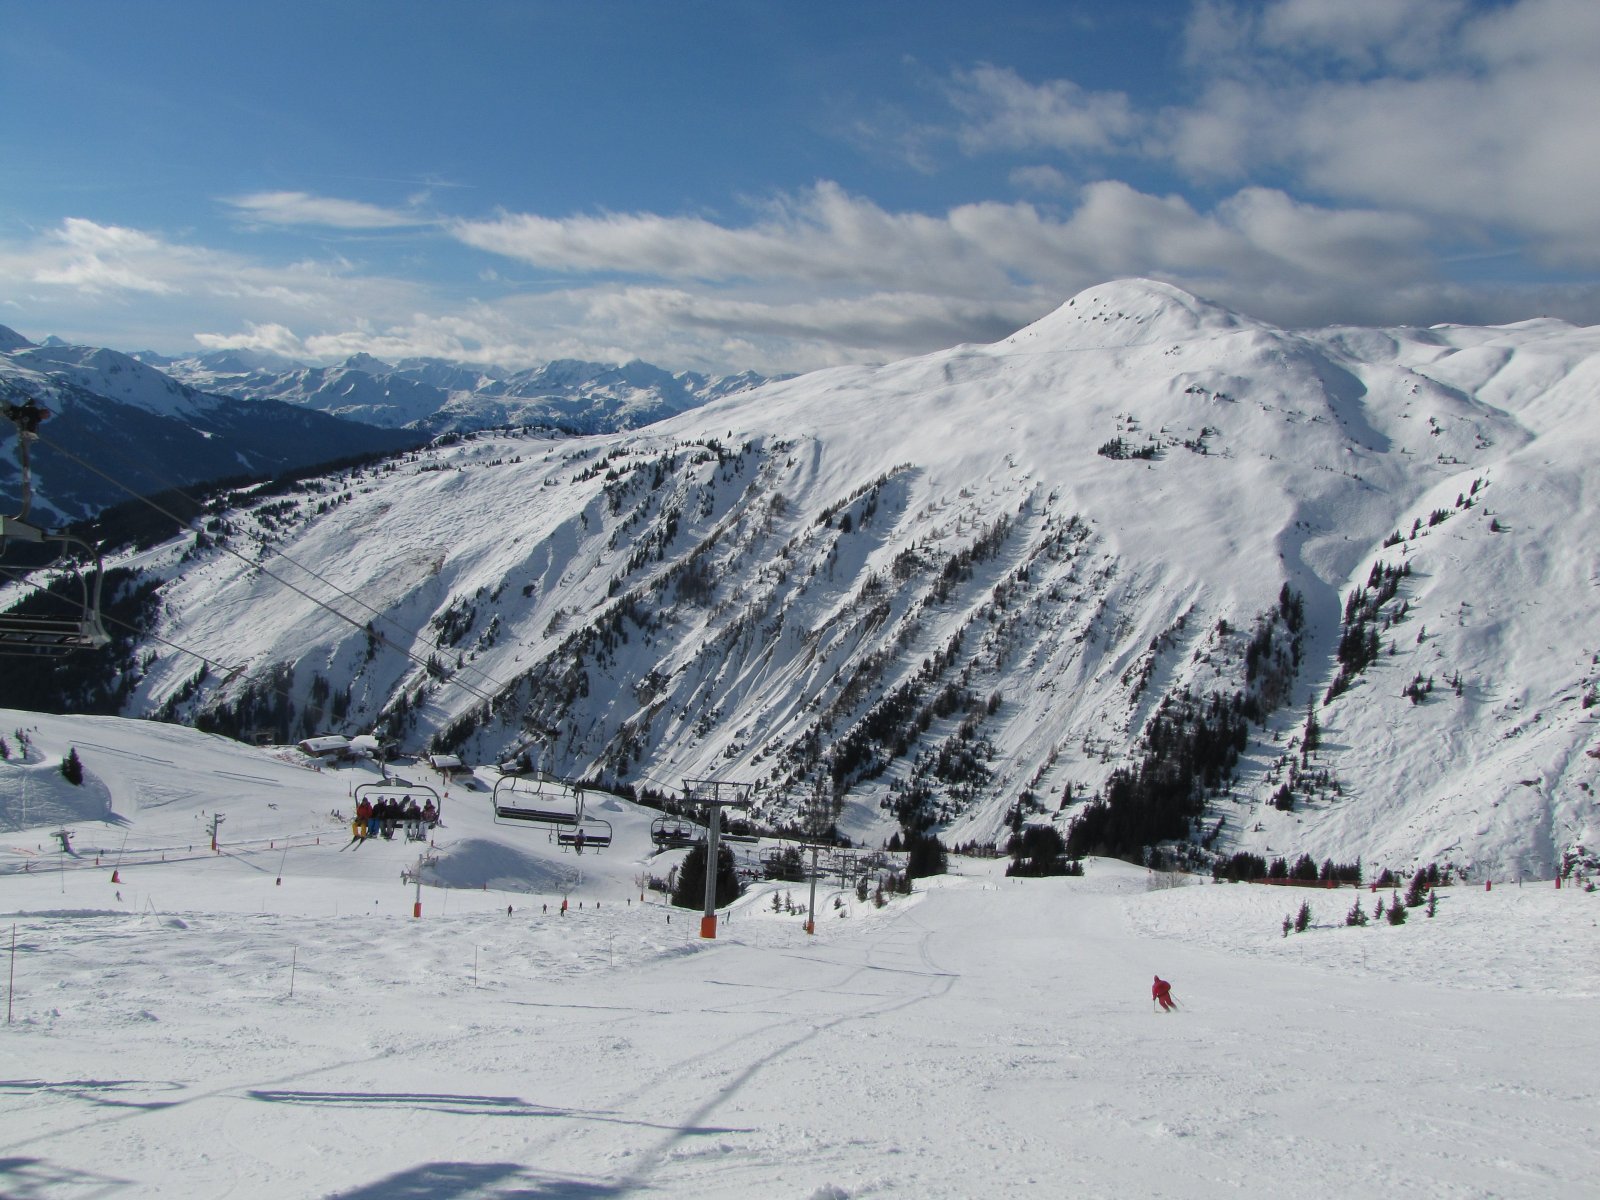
271 1020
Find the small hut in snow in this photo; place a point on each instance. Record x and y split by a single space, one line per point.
447 765
330 748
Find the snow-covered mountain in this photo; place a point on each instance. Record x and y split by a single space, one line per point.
439 396
150 431
1147 563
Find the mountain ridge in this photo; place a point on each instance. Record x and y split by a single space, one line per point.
985 586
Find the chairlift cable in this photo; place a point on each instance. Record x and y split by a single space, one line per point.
176 489
227 669
422 662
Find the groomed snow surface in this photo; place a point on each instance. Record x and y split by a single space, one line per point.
200 1029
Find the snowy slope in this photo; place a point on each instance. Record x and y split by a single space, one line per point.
977 576
271 1020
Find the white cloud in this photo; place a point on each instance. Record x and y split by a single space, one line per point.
1362 33
1005 112
301 208
1045 180
1481 118
98 259
823 236
84 274
269 338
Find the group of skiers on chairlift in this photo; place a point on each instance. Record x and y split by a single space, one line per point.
380 819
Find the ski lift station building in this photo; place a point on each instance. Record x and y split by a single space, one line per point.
446 764
331 747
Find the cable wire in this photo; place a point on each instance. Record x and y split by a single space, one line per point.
261 566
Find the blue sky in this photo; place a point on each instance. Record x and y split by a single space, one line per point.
780 186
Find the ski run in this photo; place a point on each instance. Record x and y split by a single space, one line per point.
272 1020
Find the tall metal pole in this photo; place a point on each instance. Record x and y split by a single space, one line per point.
811 921
714 794
708 922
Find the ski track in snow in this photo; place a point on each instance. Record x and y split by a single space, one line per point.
984 1036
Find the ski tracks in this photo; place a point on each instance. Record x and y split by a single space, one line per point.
701 1115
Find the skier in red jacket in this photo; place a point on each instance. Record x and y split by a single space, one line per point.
1161 993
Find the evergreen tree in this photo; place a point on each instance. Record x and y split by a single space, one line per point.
1378 910
1038 850
72 768
1397 911
1418 889
1433 903
1356 916
1302 919
690 891
925 855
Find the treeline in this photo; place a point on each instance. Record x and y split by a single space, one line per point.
1246 867
1191 745
99 680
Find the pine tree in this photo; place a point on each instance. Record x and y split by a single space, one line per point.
1377 912
1433 903
1302 918
72 768
1356 916
690 891
925 855
1397 911
1418 889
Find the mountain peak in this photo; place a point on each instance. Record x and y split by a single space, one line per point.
366 362
11 340
1128 312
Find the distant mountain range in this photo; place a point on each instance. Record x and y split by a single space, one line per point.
438 396
119 428
155 423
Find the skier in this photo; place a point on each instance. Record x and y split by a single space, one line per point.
1161 993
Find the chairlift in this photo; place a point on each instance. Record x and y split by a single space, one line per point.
537 799
400 789
31 633
540 799
673 833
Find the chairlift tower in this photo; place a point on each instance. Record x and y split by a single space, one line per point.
716 795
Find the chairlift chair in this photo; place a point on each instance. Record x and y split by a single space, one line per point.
537 800
554 803
32 633
594 833
671 833
400 789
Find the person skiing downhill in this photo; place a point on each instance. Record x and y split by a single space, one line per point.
1161 993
